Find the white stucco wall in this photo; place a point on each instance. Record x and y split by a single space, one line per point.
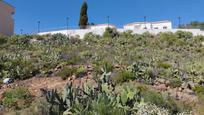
82 32
6 19
149 25
102 26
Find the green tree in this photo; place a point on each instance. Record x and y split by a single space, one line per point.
83 22
193 25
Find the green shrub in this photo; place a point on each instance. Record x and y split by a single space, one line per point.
91 38
176 82
124 76
73 60
20 40
143 72
18 98
19 68
110 33
59 39
164 65
159 100
67 72
127 34
75 40
3 40
199 89
99 65
184 35
80 72
153 97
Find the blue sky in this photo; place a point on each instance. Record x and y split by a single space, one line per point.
53 13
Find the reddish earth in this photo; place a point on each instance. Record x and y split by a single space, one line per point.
36 83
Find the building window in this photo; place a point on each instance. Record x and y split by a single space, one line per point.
165 27
156 28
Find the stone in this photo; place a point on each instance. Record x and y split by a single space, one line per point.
1 109
161 80
184 85
8 80
180 89
161 87
188 91
191 85
202 43
167 83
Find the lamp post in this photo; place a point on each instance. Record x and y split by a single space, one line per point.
67 24
108 20
21 30
145 21
38 26
179 22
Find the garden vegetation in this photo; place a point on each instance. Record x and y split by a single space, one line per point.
119 61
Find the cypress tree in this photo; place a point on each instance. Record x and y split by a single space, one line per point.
83 22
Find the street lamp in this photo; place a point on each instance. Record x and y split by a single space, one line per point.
108 20
38 26
67 21
145 21
179 21
21 31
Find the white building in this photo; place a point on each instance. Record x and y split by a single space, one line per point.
101 26
6 18
149 25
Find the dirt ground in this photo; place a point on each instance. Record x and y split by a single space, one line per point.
35 84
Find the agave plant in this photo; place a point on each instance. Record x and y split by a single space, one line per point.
101 100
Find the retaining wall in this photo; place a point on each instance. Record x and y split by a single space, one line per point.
82 32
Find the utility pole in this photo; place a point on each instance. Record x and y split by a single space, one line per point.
38 26
108 20
179 21
145 21
67 21
21 31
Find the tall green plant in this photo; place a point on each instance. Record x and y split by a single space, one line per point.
83 22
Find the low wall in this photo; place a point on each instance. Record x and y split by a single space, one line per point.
82 32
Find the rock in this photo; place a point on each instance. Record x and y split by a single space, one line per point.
156 83
191 85
161 87
117 66
188 91
161 81
89 66
8 80
174 94
202 43
1 109
58 68
89 73
167 83
180 89
188 85
184 86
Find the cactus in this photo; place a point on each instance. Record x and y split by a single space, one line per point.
88 100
